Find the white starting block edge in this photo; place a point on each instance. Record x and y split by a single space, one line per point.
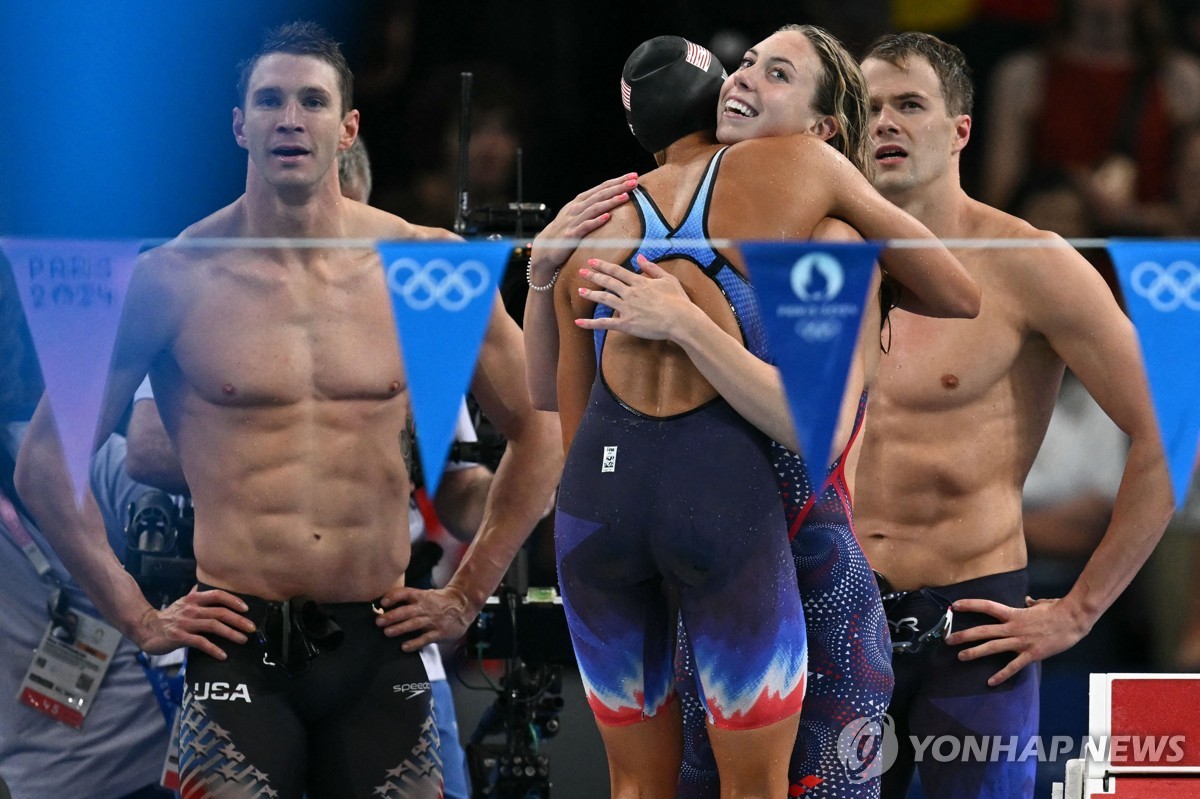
1085 778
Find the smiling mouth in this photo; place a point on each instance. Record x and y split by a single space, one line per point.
739 108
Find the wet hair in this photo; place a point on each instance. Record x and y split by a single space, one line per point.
300 38
842 94
353 164
948 62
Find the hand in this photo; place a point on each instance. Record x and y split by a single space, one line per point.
1042 628
441 614
188 620
649 305
581 216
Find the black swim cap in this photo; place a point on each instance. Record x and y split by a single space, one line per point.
669 88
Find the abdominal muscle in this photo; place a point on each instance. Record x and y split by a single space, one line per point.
306 499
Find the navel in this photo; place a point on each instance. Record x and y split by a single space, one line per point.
949 381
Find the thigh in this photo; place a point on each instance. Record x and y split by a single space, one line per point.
838 750
746 627
619 619
384 738
698 773
239 735
975 736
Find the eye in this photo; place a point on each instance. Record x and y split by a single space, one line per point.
314 102
746 63
778 74
267 101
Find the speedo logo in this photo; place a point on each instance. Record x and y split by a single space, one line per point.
221 692
413 689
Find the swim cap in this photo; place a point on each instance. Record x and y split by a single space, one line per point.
669 88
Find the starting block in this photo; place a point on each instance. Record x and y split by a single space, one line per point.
1144 739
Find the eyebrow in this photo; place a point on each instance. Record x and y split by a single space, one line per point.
303 90
781 60
772 59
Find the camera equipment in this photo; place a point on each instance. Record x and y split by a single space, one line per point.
527 628
512 219
158 546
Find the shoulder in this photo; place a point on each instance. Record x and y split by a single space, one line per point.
1049 276
800 160
774 149
1181 83
369 222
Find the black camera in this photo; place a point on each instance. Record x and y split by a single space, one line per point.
527 629
530 627
158 546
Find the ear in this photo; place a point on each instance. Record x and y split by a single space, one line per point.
825 128
962 133
239 122
349 130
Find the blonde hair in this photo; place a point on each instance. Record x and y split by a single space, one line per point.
842 94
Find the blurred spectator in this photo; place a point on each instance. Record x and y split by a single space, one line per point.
1069 492
1187 184
120 748
1186 526
430 195
1051 200
1102 101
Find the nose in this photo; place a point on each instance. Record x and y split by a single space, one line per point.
290 119
883 122
744 78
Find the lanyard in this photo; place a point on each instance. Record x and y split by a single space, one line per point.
168 689
19 534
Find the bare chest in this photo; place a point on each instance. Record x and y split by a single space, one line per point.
942 364
265 333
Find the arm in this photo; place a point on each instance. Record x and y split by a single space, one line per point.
551 249
151 458
524 481
78 535
1080 319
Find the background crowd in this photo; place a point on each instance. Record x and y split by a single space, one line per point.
1090 113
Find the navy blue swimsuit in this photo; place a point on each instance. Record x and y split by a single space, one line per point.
659 512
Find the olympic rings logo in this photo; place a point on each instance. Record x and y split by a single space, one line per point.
818 331
437 282
1167 288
